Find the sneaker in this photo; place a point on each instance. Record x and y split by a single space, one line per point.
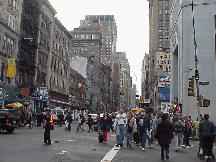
206 158
183 146
149 146
117 145
188 146
104 142
121 145
143 149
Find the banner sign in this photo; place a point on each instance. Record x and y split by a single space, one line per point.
11 67
164 81
164 94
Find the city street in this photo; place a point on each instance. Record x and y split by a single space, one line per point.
26 145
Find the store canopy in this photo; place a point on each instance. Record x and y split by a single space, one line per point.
15 105
137 109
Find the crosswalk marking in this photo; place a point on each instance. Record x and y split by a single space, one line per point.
111 154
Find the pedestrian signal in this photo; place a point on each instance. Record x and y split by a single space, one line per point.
196 74
191 87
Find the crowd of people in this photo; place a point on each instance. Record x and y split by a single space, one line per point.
138 127
161 128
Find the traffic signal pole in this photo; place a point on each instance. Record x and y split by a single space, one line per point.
196 61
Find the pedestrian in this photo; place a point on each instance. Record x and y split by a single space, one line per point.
106 125
206 135
143 127
98 121
48 127
90 123
179 126
163 134
119 127
68 119
39 119
28 117
80 121
61 118
187 131
154 125
131 127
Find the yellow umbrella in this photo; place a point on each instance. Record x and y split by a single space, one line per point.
19 105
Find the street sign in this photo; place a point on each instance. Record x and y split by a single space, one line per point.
204 83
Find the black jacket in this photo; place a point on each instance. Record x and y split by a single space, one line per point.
146 123
106 124
206 127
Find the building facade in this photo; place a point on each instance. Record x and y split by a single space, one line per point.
159 20
183 54
10 19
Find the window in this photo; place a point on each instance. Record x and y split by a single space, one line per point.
93 36
160 20
160 11
167 20
160 47
166 28
166 3
160 3
166 12
82 36
75 43
160 29
160 38
166 38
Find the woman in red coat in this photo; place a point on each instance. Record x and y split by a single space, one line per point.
164 132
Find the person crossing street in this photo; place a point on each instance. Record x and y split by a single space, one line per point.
119 127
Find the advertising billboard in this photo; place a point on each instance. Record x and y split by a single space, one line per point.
164 94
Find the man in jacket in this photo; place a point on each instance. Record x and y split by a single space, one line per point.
119 127
61 118
206 134
163 134
143 124
47 138
179 126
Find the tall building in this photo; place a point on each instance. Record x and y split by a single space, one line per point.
10 19
159 45
183 55
145 77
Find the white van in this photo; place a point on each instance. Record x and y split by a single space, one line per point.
55 112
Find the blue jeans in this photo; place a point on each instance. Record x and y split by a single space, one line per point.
142 137
80 126
120 131
129 138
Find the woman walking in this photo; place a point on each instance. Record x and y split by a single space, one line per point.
163 134
106 125
131 127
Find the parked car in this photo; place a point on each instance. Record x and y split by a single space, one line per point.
9 120
94 117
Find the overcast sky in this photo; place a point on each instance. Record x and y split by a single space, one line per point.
132 25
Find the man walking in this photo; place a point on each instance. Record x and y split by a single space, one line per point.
143 126
119 127
179 126
206 134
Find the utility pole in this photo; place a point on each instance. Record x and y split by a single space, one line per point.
196 61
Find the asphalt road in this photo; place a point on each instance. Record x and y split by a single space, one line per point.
26 145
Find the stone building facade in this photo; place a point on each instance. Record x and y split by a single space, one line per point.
10 19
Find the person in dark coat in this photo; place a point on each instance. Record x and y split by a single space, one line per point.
61 118
143 124
206 135
39 119
163 134
106 125
47 138
90 123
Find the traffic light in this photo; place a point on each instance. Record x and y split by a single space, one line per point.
196 74
191 87
206 103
